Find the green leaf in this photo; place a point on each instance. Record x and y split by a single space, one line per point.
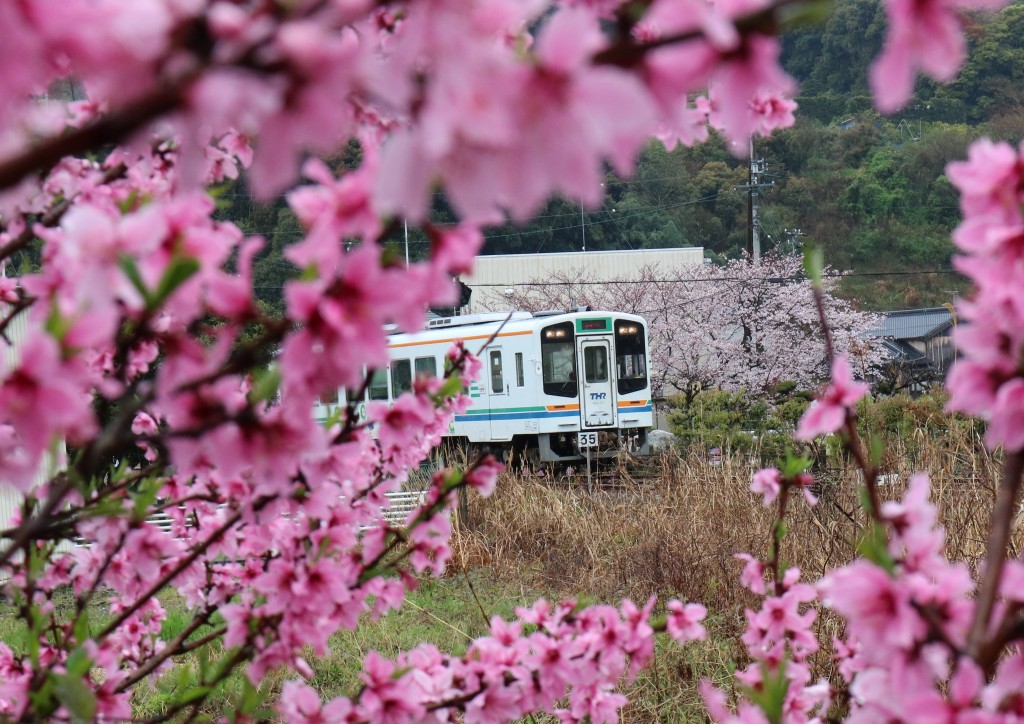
42 698
196 694
814 264
129 203
873 546
78 663
56 325
795 465
131 270
877 445
76 697
771 696
780 531
203 656
180 271
265 384
144 496
81 630
793 17
583 602
452 386
453 478
251 698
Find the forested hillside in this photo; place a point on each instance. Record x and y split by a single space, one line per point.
870 190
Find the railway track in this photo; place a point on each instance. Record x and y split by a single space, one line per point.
624 473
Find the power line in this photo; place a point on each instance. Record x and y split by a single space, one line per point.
835 275
528 232
718 280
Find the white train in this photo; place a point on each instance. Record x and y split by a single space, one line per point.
553 384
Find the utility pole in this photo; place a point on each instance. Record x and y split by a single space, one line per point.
793 237
754 187
583 226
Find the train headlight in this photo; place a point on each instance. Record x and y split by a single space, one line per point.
628 330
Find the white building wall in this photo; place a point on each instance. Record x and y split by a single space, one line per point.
493 274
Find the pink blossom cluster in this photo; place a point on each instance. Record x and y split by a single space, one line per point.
503 109
988 379
563 659
905 654
907 621
779 640
830 411
144 340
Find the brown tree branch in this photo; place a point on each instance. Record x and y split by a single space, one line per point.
110 129
995 555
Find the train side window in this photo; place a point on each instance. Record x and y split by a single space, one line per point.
379 385
401 376
520 377
558 360
497 376
426 367
630 356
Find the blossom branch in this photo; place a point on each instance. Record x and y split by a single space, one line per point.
180 566
995 554
174 648
110 129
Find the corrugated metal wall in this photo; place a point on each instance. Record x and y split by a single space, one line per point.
10 498
493 274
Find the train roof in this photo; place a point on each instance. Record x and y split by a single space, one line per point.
479 325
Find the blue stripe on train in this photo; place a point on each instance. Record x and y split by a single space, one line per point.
534 415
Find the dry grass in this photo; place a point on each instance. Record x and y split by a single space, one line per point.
675 535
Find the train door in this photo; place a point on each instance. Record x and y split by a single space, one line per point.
498 396
597 395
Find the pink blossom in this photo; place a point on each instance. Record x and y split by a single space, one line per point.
752 577
1006 426
877 607
923 34
767 482
684 621
301 704
483 476
828 413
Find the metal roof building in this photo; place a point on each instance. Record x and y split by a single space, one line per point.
915 323
493 274
918 342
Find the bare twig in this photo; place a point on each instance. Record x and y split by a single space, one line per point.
995 555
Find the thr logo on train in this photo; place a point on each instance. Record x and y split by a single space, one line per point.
598 395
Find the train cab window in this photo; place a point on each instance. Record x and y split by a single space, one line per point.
379 385
520 377
497 376
630 356
558 360
595 363
426 367
401 376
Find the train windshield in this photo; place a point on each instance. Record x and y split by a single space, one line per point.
558 359
630 356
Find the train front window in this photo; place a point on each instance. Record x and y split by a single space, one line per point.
630 356
558 360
